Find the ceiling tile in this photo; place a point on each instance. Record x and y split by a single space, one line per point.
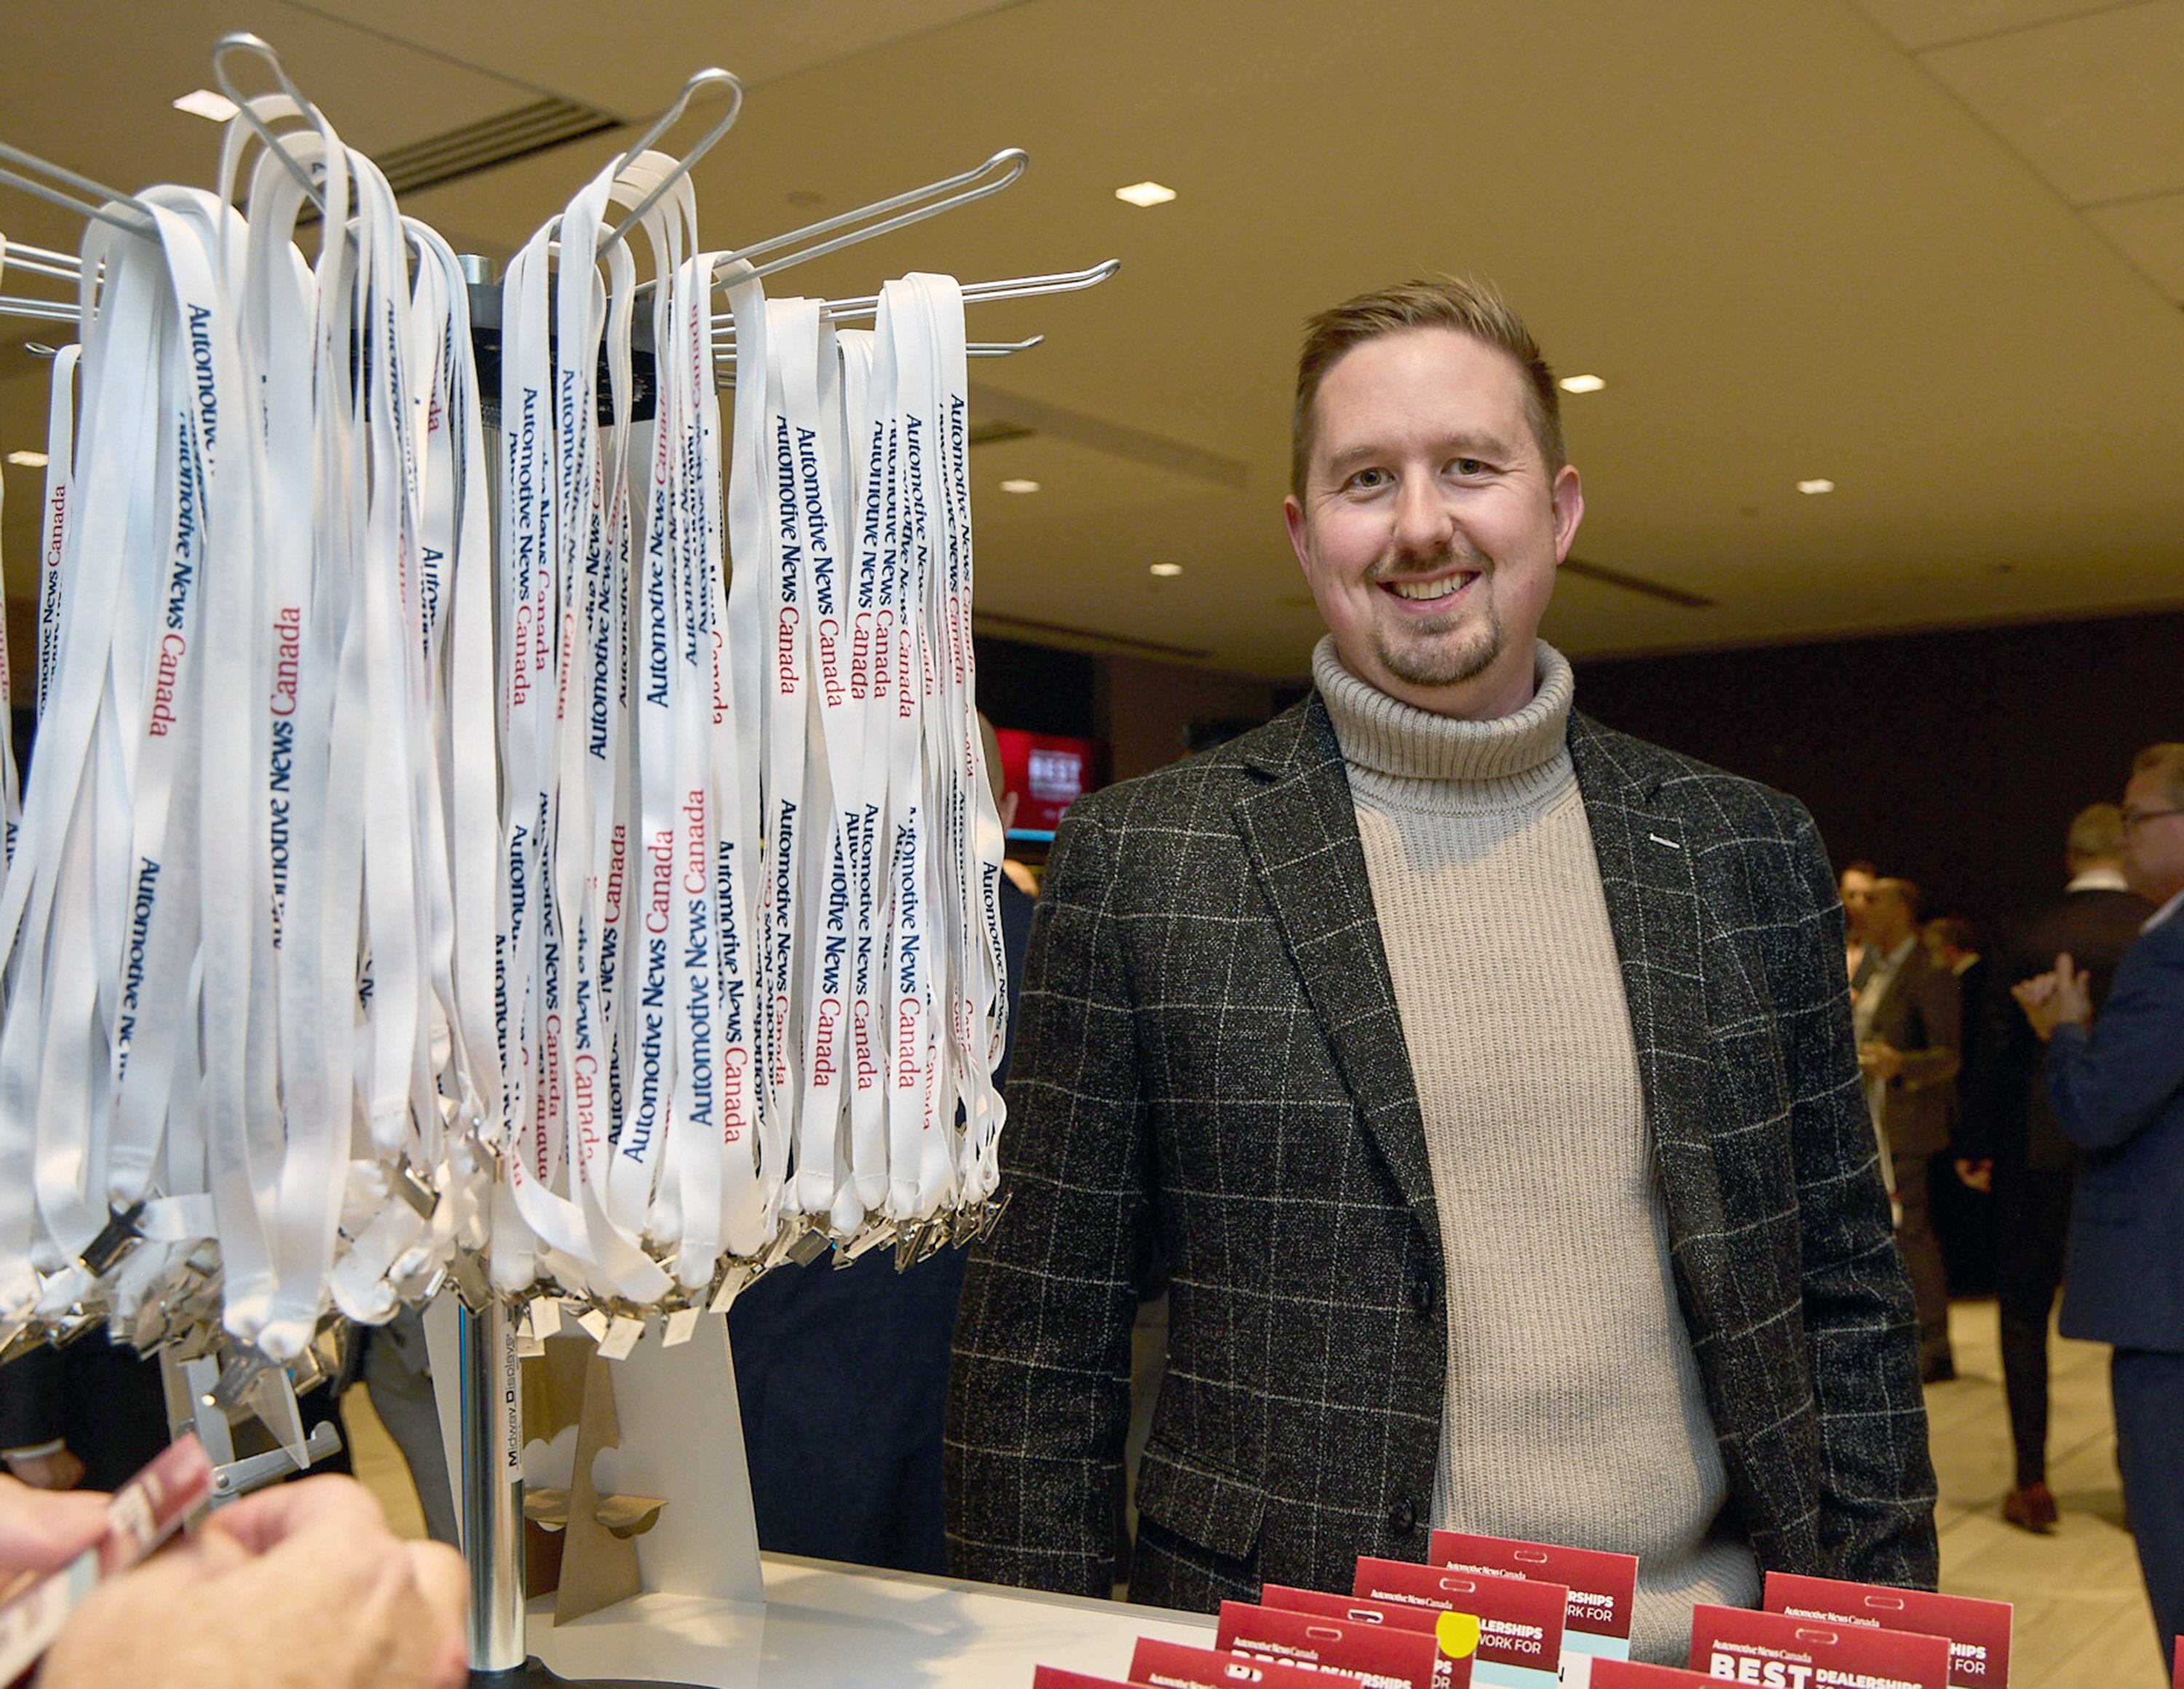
2150 232
1917 23
633 62
2092 103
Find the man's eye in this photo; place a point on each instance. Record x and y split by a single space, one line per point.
1469 466
1366 480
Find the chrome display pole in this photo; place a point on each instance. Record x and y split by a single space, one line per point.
493 1489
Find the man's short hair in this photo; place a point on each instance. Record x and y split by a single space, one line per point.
2170 760
1954 931
1473 308
1908 890
1863 865
2095 830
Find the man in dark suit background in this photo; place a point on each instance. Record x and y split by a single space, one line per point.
1909 1018
2117 1086
842 1371
2007 1138
1486 1074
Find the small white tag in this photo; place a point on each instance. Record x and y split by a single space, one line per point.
1670 843
545 1317
681 1327
595 1322
621 1337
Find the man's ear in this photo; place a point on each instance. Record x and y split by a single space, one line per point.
1568 496
1293 520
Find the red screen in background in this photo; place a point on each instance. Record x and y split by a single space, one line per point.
1047 772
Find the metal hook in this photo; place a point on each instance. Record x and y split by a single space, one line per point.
243 42
100 206
960 190
37 310
711 78
1015 287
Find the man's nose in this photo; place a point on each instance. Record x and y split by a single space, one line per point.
1424 523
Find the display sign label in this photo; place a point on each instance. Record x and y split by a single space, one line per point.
1377 1656
1054 1677
1580 1671
1520 1621
1778 1651
1451 1671
1978 1631
1176 1665
1604 1588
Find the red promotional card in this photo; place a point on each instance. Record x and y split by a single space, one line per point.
1176 1665
1520 1622
1978 1631
1777 1652
1627 1673
1451 1670
1604 1588
1054 1677
1376 1656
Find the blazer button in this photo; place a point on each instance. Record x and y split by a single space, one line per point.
1422 1294
1402 1518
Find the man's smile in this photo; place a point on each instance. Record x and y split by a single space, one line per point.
1437 589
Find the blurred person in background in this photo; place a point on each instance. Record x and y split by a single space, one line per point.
2007 1139
2117 1088
1908 1020
1854 886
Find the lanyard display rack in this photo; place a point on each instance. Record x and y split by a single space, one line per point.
489 1325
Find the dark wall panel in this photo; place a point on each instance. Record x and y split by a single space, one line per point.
1957 758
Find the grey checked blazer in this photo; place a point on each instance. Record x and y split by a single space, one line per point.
1210 1045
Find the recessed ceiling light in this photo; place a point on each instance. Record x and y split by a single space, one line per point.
1145 193
1165 570
1019 484
1581 383
1822 486
28 459
203 103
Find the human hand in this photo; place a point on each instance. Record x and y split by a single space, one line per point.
302 1585
42 1529
2063 997
1879 1060
60 1470
1977 1175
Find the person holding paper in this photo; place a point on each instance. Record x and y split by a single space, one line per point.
1486 1075
2117 1087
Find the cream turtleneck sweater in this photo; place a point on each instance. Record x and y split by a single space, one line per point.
1575 1412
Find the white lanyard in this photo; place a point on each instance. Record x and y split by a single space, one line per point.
919 1158
866 377
60 478
738 774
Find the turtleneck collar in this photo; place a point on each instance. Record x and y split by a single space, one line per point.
1385 736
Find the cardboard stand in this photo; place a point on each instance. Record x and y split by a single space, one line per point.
662 1424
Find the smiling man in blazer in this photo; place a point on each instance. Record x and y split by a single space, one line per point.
1486 1076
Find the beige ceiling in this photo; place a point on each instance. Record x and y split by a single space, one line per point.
1930 249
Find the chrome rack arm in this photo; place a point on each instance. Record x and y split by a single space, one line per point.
109 205
711 78
1018 287
243 42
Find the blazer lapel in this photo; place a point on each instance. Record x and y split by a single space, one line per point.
1652 888
1301 830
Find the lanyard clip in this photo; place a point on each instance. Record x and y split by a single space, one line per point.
120 1235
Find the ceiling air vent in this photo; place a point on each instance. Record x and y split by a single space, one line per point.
492 141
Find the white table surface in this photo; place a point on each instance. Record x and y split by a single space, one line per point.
829 1627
